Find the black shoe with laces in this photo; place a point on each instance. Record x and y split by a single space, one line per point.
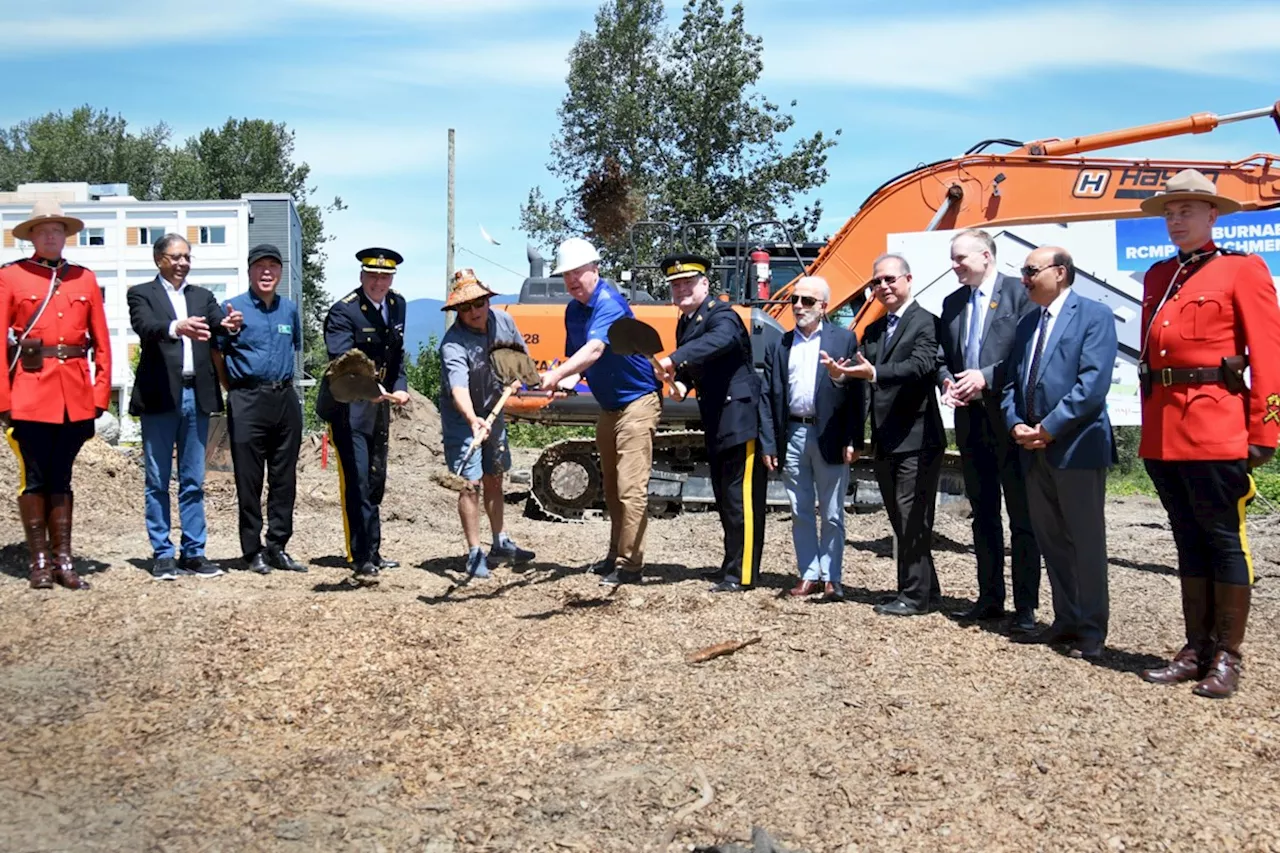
200 566
281 560
258 563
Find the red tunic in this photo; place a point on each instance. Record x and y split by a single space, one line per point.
62 389
1226 306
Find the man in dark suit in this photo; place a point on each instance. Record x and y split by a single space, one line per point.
174 393
811 426
975 335
713 355
370 319
899 357
1055 407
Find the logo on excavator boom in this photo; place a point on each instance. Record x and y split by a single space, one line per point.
1091 183
1136 182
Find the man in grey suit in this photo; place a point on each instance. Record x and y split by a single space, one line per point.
1055 407
975 336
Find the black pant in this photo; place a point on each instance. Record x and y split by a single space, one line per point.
909 489
989 460
1206 505
740 499
362 477
47 453
1068 509
265 426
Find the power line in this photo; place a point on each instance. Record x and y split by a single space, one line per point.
488 261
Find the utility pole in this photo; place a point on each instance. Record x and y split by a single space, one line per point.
448 275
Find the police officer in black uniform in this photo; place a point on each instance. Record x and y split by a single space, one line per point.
370 319
713 356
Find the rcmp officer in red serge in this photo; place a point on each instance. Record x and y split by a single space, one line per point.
53 310
1206 312
370 319
713 356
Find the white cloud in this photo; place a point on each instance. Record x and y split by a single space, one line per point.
967 52
343 148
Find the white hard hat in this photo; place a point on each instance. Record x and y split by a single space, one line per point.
573 253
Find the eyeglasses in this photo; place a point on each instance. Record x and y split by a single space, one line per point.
806 301
886 279
186 256
483 302
1032 272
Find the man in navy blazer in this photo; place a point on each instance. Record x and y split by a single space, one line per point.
975 335
1055 407
811 425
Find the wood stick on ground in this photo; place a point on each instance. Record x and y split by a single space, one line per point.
707 794
718 650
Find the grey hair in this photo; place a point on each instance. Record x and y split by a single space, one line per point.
906 267
980 237
818 282
161 246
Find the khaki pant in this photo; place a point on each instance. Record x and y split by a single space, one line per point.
625 441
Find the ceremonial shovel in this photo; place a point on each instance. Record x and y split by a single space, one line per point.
513 367
629 336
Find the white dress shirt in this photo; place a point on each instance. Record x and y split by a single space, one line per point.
1055 308
178 299
802 372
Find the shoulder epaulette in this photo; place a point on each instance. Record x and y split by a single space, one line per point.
1222 251
351 297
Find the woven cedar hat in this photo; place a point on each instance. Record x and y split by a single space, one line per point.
47 210
466 287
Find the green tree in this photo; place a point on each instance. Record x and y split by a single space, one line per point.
424 372
668 126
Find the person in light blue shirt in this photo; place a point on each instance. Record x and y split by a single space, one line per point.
264 414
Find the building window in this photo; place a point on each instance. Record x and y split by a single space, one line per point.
218 290
213 235
93 237
149 234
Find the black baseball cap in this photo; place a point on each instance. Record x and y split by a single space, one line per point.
264 250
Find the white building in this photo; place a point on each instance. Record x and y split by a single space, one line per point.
120 230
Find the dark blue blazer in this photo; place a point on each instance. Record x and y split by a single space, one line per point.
839 405
1071 386
713 355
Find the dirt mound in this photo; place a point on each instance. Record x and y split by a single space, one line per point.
105 475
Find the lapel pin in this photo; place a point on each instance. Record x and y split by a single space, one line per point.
992 305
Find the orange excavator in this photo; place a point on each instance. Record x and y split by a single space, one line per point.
1046 181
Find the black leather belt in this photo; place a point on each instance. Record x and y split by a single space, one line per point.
188 382
1180 375
63 351
806 419
238 384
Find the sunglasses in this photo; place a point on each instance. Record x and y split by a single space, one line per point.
886 279
1032 272
474 304
806 301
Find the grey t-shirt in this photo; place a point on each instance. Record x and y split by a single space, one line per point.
464 357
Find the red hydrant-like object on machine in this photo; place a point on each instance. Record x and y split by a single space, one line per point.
760 261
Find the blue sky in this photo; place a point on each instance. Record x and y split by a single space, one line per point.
371 87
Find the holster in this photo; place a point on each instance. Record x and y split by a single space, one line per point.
31 355
1233 373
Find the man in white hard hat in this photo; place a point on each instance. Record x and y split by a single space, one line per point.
630 403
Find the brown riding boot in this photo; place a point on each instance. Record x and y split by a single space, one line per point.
1192 662
1231 607
31 507
60 533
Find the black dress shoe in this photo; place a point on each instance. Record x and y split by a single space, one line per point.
282 561
1024 622
898 607
386 564
603 568
618 577
1087 650
715 575
981 612
258 563
365 572
729 585
1050 636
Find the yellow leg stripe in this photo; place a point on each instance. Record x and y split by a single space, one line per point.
1244 538
22 465
749 517
342 496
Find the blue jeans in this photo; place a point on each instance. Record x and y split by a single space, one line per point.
189 430
804 471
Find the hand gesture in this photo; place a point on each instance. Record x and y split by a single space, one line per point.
233 322
479 430
1260 454
399 398
851 455
193 327
770 462
969 384
844 369
948 394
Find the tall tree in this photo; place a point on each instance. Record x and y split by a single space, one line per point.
663 125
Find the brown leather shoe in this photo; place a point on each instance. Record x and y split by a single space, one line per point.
805 588
1192 662
1231 614
60 533
1187 665
832 592
31 507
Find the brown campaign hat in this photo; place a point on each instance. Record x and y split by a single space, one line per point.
47 210
466 287
1189 185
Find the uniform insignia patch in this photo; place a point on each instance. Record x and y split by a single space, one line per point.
350 297
1273 409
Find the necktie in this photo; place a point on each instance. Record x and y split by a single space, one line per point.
973 341
893 325
1034 372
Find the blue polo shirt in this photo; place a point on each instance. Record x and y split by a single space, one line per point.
614 379
265 347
